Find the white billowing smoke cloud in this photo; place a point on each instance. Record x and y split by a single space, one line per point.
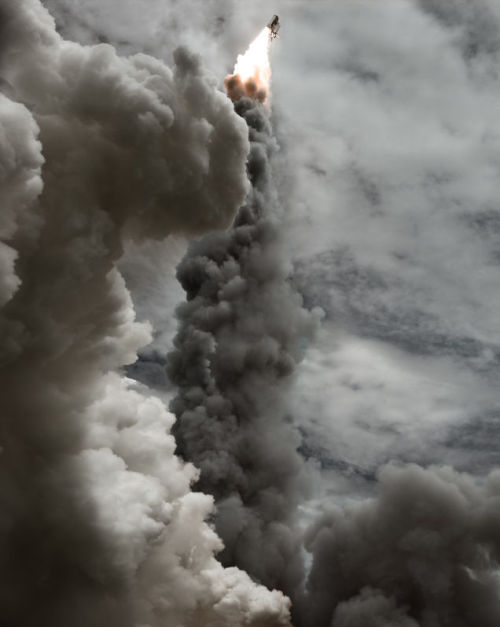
20 163
98 524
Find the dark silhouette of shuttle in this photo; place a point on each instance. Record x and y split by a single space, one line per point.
274 26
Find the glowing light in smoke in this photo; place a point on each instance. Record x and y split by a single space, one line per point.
254 64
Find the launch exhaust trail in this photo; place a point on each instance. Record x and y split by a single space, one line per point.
240 335
252 72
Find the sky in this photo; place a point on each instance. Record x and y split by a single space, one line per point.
360 361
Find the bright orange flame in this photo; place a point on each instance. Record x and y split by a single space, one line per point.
254 64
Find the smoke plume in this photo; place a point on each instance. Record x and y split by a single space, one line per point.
240 335
424 553
98 525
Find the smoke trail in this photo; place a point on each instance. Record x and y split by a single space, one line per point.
240 335
98 524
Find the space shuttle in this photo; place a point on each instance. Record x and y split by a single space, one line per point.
274 26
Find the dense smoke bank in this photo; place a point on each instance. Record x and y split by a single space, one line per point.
98 525
423 553
240 335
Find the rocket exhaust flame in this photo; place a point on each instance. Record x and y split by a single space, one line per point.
252 71
255 62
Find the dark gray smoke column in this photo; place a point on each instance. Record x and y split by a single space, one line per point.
240 336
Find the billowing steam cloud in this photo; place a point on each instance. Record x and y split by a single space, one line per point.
98 524
423 553
241 332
